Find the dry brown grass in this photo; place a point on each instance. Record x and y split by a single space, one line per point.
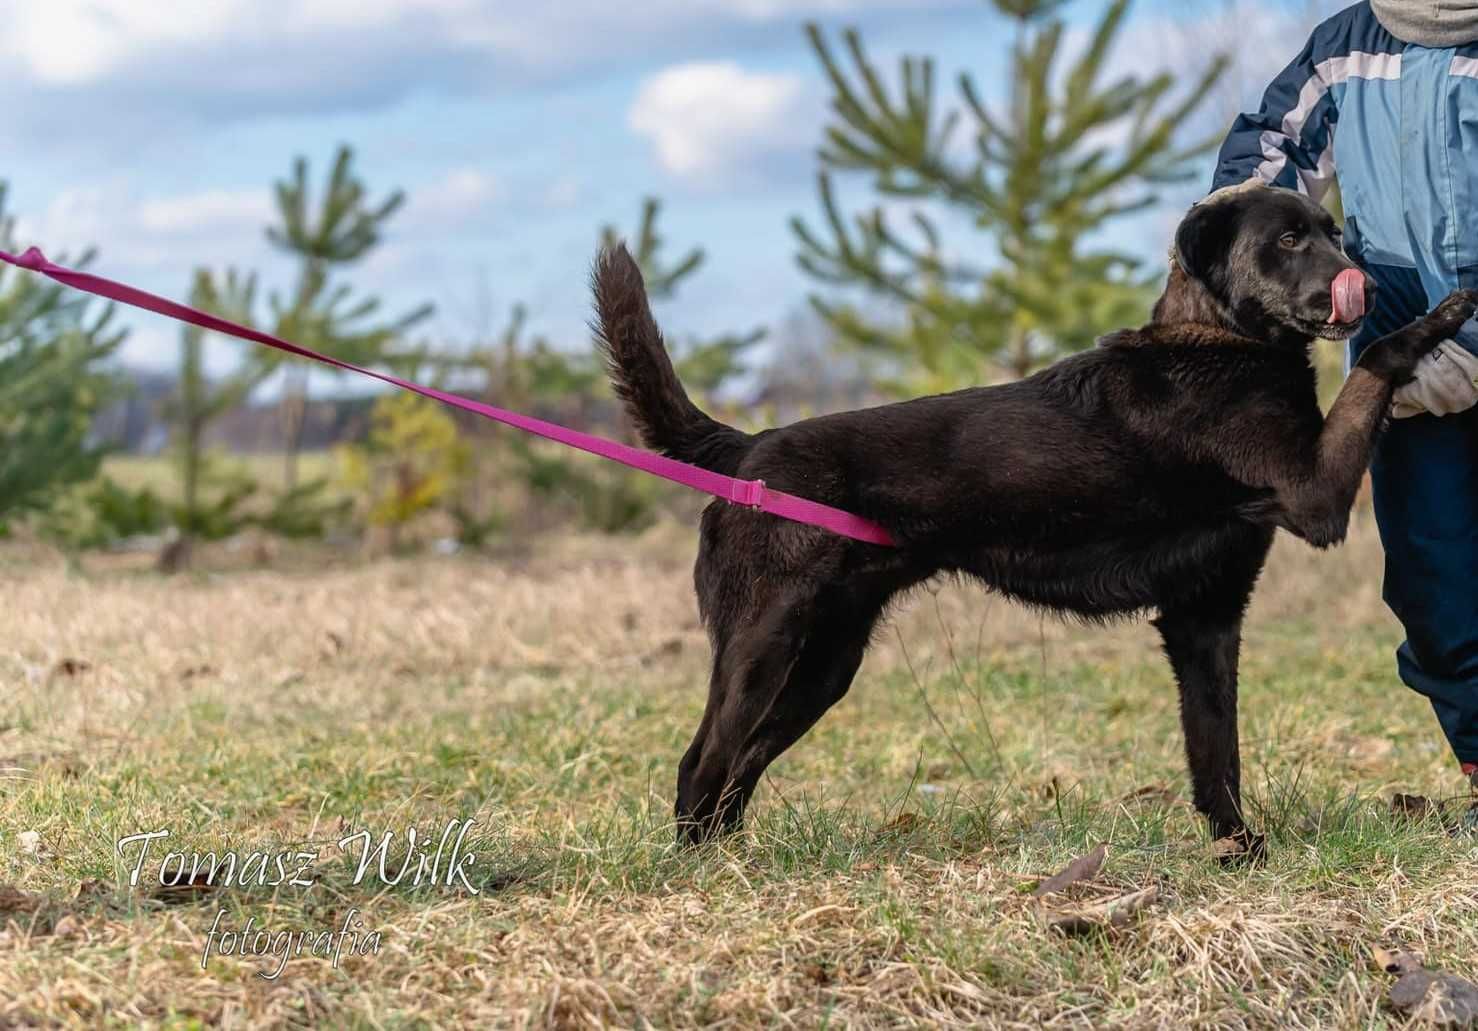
881 882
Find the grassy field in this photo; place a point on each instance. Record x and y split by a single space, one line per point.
160 473
885 877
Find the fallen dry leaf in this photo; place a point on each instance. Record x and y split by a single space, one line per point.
1430 996
1394 961
1236 849
13 900
1111 913
831 912
92 888
19 767
1081 869
333 644
185 888
1153 793
1437 998
1413 807
817 973
70 667
1227 847
903 823
67 927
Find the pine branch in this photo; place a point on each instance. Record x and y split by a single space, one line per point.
1060 159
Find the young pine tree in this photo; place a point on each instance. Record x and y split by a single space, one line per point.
343 229
53 346
197 403
1060 159
219 498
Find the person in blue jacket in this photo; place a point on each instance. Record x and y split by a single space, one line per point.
1385 94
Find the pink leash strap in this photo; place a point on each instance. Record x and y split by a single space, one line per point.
749 493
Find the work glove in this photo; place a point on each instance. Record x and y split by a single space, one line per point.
1445 383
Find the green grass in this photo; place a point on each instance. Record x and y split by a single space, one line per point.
883 879
160 473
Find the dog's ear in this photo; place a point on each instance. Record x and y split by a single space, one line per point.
1203 241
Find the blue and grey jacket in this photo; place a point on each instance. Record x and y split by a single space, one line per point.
1400 124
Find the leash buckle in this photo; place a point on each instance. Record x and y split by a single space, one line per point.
749 493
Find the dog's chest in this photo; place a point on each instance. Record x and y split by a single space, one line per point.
1119 574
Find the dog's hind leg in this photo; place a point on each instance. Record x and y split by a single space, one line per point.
753 658
820 678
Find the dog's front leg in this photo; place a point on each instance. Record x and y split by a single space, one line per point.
1203 650
1314 497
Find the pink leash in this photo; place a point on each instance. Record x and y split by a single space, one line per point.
749 493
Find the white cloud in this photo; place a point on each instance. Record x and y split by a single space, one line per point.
72 219
66 42
75 41
160 65
217 226
459 195
154 242
710 117
206 228
209 211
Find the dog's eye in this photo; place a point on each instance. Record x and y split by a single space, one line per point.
1288 240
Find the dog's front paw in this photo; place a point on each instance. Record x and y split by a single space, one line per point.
1453 310
1394 357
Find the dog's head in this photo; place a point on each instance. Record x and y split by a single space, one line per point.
1270 262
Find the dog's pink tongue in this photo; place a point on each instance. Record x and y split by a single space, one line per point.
1348 295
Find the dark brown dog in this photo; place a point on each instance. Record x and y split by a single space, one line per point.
1146 475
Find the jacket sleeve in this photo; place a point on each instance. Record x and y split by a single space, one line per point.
1289 141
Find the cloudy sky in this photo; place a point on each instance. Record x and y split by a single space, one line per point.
153 130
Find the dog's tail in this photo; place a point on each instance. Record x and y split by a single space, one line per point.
642 372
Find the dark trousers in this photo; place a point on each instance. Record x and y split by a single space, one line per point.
1425 476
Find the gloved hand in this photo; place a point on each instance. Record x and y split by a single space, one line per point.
1445 383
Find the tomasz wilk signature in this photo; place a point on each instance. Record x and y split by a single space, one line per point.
447 863
417 863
